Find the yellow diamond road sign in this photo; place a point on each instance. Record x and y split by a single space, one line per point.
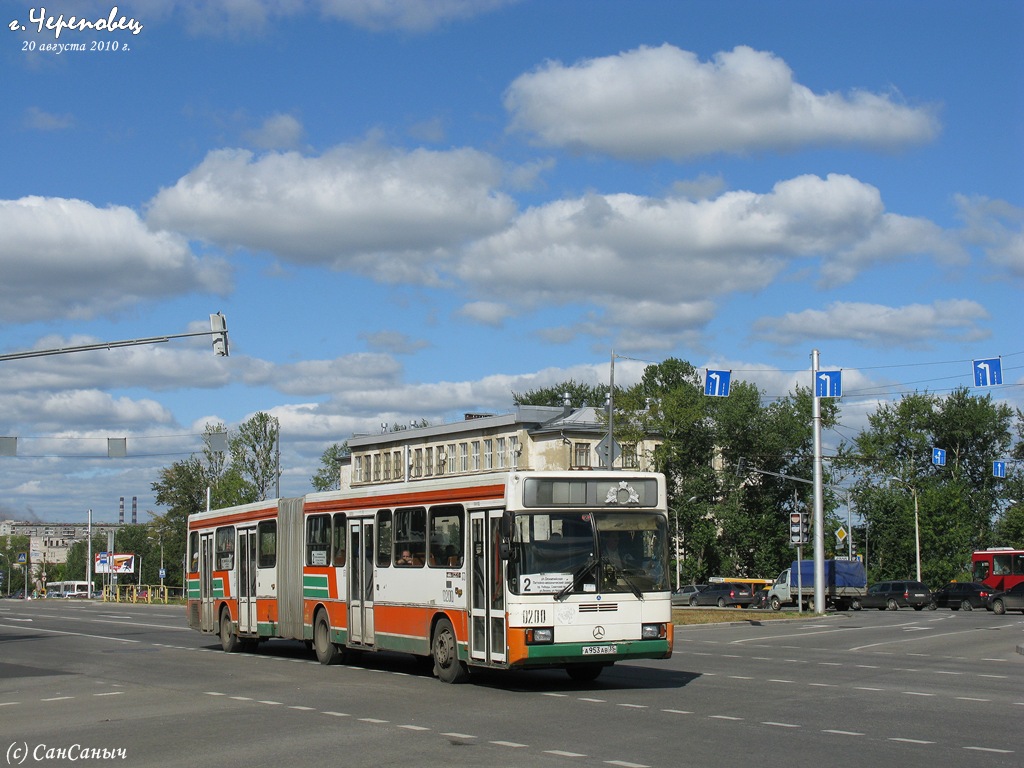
841 534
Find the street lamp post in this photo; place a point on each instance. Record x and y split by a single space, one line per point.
917 523
917 533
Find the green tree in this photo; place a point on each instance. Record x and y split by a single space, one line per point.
182 488
254 455
1009 530
77 555
328 475
579 393
956 503
10 548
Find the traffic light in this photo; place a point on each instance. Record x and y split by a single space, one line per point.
805 528
796 527
219 326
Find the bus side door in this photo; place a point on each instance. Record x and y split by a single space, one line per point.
360 582
486 589
246 560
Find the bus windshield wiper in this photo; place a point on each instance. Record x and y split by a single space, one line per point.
586 569
629 582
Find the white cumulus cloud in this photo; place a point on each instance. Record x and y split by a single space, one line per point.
68 258
391 214
878 325
665 102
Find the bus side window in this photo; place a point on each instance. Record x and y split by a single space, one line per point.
193 548
410 535
266 533
340 529
445 536
318 539
385 535
225 548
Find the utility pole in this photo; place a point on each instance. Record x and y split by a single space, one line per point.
819 503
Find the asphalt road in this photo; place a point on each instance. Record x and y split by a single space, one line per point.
95 681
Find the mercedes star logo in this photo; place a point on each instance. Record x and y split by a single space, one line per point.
598 632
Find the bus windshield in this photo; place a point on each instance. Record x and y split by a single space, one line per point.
564 553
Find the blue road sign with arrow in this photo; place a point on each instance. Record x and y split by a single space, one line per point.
716 383
828 384
988 373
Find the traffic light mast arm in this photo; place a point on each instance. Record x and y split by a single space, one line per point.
110 345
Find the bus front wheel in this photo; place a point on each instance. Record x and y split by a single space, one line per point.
228 639
445 649
584 673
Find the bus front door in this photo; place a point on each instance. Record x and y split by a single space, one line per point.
207 621
487 589
360 582
246 550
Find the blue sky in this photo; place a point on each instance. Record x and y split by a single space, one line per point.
412 210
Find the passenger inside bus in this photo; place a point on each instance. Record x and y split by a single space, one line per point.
405 558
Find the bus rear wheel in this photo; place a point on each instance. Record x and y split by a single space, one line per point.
326 651
445 649
229 641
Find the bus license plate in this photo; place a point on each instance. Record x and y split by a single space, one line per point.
595 650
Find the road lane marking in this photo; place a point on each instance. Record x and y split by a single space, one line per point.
79 634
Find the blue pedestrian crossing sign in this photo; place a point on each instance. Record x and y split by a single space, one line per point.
828 384
716 383
999 468
938 457
988 373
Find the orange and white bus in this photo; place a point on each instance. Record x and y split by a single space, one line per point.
515 570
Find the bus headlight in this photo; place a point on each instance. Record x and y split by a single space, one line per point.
540 636
652 632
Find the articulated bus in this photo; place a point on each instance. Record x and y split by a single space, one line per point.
998 567
517 570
